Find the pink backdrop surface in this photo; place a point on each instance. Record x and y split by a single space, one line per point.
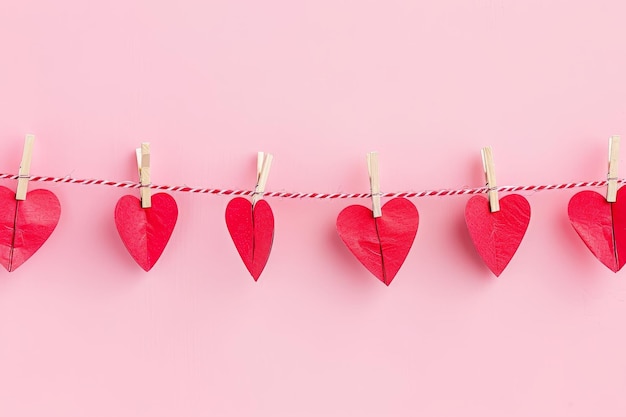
85 332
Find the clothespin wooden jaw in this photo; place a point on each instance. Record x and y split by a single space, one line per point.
264 163
490 175
612 185
143 162
372 167
24 173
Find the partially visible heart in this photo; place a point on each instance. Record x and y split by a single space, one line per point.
601 225
497 236
252 231
380 244
145 232
22 235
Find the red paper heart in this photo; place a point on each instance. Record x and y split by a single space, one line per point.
22 235
601 225
380 244
252 231
497 236
145 232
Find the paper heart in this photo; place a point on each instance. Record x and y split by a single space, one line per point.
601 225
380 244
145 232
497 236
25 225
252 231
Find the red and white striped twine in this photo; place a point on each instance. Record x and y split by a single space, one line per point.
319 196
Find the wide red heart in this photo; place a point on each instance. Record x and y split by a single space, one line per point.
380 244
145 232
252 231
601 225
25 225
497 236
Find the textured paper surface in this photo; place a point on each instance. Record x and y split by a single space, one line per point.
601 225
145 232
319 83
252 231
380 244
497 236
22 235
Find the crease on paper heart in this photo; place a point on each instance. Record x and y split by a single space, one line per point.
618 261
17 207
613 241
382 255
596 227
253 236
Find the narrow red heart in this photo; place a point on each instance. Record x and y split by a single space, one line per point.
23 234
380 244
145 232
252 231
497 236
601 225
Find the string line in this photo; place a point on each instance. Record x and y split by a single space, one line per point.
318 196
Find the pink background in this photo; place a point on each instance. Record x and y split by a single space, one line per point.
85 332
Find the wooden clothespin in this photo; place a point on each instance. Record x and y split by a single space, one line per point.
143 162
490 175
372 167
24 173
611 189
264 163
